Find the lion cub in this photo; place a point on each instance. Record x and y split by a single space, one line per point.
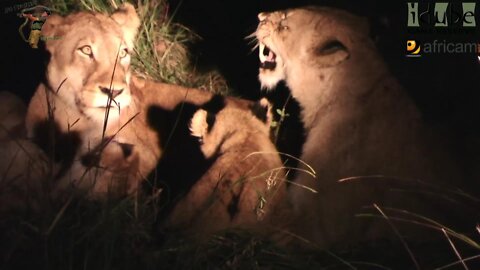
244 184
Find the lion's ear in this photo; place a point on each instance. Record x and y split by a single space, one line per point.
262 110
51 28
51 25
128 19
199 124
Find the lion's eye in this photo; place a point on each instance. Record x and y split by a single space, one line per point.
123 53
331 47
87 50
282 27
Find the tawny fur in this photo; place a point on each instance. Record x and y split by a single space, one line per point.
73 100
12 116
83 57
22 162
359 122
245 185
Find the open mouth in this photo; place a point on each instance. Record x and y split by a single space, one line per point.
267 57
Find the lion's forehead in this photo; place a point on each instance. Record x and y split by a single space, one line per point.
100 33
276 16
310 14
92 26
328 21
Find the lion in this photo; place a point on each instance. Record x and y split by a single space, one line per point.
23 164
244 185
86 88
90 99
363 132
22 161
12 116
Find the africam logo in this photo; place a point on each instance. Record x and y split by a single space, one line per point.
413 48
416 48
37 16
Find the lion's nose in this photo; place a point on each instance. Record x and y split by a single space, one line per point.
113 93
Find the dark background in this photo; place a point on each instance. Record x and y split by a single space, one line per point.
445 87
442 85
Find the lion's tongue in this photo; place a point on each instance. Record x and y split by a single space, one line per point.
266 55
271 56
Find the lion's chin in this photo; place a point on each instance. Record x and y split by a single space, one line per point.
269 79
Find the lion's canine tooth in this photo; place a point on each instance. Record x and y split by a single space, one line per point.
262 57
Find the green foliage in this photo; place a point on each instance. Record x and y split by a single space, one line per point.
281 116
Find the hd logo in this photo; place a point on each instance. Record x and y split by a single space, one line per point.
413 48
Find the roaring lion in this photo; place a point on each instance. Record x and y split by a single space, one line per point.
245 183
363 132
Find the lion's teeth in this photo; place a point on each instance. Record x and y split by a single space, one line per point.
262 57
266 54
